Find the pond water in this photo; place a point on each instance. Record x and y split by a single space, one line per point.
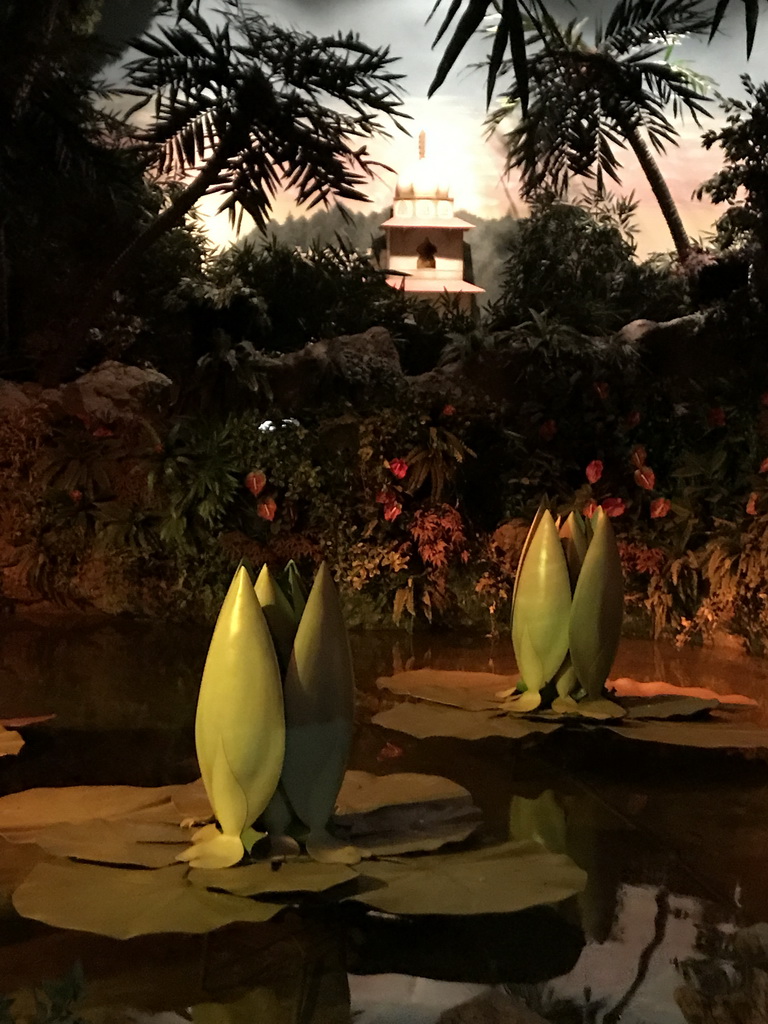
670 928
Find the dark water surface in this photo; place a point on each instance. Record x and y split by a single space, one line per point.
674 842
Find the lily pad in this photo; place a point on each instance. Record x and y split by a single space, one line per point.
705 735
671 707
600 709
626 687
403 812
494 880
10 741
34 808
473 691
293 876
123 903
145 844
423 720
191 801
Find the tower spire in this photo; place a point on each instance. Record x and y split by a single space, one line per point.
422 144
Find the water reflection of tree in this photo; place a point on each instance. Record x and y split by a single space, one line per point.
729 985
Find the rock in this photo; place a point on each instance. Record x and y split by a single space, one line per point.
113 391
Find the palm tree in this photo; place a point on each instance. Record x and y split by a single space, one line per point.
587 100
511 35
239 109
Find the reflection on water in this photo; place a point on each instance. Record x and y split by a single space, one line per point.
674 842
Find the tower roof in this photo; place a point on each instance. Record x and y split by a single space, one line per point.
424 179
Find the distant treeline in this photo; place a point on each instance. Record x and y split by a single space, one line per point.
489 238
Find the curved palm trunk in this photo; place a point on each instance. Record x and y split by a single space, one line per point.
660 189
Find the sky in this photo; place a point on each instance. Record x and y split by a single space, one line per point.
453 118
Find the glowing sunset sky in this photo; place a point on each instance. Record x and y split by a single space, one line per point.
453 118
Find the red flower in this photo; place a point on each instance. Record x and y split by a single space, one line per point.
398 468
632 420
716 417
76 496
589 509
385 497
660 507
392 510
256 481
601 389
638 456
448 410
547 430
594 471
103 432
763 466
266 509
752 504
645 477
614 507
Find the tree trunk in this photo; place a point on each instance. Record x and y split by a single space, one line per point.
660 189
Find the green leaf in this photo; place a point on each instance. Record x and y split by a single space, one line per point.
599 708
123 903
704 735
268 879
473 691
495 880
598 610
144 844
35 808
671 707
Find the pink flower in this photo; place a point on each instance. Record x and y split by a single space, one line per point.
645 477
763 466
76 496
614 507
594 471
716 417
398 468
660 507
752 504
448 410
601 389
392 510
256 481
266 509
547 430
589 509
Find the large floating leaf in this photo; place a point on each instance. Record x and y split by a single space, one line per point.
468 690
145 844
37 807
705 735
670 707
626 687
403 812
123 903
495 880
423 720
264 878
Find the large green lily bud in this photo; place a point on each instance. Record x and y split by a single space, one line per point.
573 536
279 615
598 609
296 591
239 727
319 706
542 606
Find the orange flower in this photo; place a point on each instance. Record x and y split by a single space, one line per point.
752 504
266 509
645 477
256 481
594 471
392 510
639 456
614 507
660 507
589 509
